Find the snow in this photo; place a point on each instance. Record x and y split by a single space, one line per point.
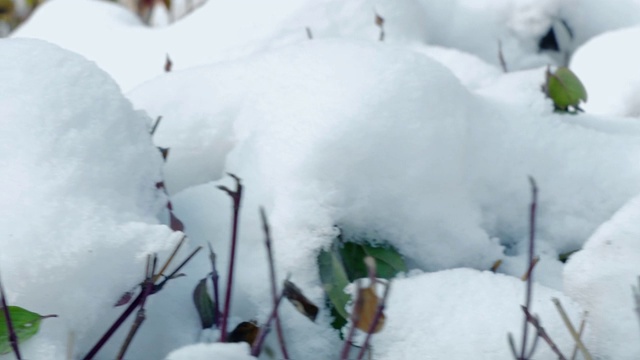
421 141
79 201
442 327
600 279
606 65
238 351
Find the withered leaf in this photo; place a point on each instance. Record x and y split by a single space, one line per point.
301 303
124 299
168 64
367 308
246 331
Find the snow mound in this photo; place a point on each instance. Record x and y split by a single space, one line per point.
320 160
600 279
238 351
607 66
487 306
78 199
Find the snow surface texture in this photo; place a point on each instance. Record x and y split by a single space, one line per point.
221 351
79 198
426 147
285 131
600 278
235 28
467 317
607 66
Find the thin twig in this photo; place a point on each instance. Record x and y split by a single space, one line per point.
374 323
583 324
155 125
636 297
147 287
512 346
264 330
236 196
532 237
532 265
355 318
214 282
534 346
572 330
13 338
503 63
166 264
272 274
158 287
125 314
542 333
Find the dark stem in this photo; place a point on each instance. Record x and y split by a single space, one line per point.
264 330
107 335
236 196
147 287
355 318
542 333
503 62
375 321
123 317
158 287
272 273
155 125
214 282
13 338
532 236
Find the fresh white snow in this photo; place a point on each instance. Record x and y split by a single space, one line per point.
420 140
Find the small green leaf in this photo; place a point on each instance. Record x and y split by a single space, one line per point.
334 280
204 304
25 324
565 89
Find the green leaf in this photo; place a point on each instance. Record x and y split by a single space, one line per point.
388 261
204 304
25 324
565 89
334 280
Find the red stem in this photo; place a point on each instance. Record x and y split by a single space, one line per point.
236 196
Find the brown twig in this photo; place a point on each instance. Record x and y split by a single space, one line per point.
272 274
583 324
572 330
